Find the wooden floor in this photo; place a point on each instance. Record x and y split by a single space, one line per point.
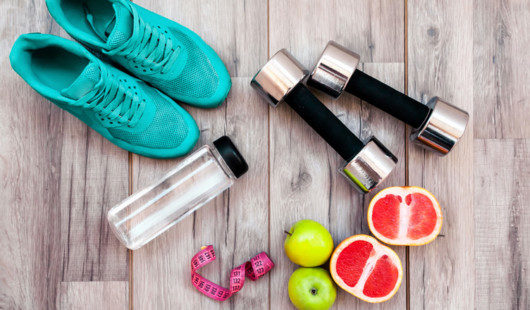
59 178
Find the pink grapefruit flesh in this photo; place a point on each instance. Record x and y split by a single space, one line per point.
366 269
405 216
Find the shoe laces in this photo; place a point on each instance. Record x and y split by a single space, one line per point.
114 100
150 48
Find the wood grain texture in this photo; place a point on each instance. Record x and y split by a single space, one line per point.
58 180
30 194
440 53
59 177
93 295
93 178
502 223
305 182
501 62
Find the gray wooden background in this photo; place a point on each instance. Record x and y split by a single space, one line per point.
59 178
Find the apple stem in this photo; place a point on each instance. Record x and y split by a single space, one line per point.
285 231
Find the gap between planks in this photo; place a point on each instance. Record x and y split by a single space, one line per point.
406 91
130 252
269 159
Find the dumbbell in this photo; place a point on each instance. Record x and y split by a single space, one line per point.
437 125
280 79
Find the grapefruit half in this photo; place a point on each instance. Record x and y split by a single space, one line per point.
366 268
405 216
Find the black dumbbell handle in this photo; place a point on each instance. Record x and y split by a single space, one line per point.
387 99
324 122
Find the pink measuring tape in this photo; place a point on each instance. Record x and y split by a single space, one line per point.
254 269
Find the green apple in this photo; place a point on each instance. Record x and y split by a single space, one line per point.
308 244
312 289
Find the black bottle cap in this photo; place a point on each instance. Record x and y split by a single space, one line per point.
234 160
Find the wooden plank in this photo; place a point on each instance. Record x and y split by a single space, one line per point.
59 178
501 169
28 170
502 223
440 53
93 295
236 223
304 178
373 29
238 32
93 178
502 78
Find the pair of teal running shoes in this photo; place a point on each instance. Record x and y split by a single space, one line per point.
131 102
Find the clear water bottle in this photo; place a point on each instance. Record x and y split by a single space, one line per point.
199 178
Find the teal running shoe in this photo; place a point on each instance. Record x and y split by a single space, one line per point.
157 50
123 109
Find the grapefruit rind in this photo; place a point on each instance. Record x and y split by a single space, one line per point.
403 191
357 290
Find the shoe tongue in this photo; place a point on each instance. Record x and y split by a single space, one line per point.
84 83
121 27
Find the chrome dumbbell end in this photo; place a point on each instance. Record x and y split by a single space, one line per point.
334 69
438 125
442 129
370 166
278 77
